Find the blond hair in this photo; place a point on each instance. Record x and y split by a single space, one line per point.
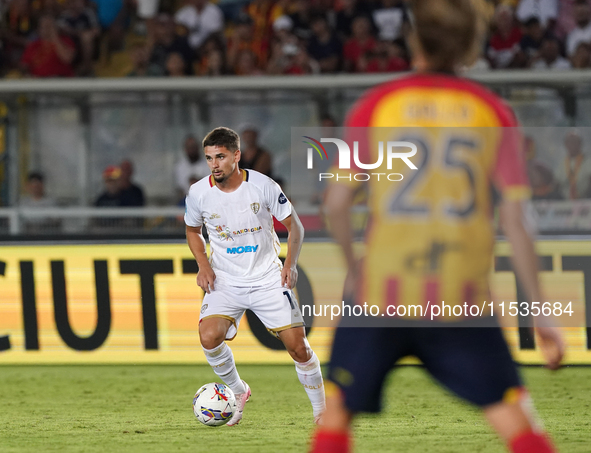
448 33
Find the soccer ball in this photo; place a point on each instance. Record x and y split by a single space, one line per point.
214 404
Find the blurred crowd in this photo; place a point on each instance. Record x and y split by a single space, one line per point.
63 38
121 190
570 179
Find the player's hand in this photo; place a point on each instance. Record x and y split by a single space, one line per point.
205 278
289 277
552 346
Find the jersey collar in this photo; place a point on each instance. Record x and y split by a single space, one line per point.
242 170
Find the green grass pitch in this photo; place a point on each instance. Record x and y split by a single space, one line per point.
148 409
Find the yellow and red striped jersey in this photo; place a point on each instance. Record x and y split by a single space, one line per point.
430 235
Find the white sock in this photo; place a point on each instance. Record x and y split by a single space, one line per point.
221 360
310 375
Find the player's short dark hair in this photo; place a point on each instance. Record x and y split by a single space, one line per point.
35 176
222 136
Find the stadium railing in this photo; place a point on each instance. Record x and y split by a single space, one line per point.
72 129
91 221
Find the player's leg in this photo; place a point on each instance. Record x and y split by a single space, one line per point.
220 316
475 364
221 312
334 436
307 367
358 366
212 333
516 425
278 309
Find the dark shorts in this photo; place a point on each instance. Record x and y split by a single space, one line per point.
472 362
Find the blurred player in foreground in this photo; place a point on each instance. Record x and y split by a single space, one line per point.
244 271
431 235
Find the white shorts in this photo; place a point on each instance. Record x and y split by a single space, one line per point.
275 306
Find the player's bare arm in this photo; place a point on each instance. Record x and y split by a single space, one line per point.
525 263
289 274
339 200
206 275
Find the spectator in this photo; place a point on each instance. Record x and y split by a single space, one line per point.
147 10
175 65
51 8
167 42
51 55
280 8
141 64
283 41
243 38
282 30
253 156
201 18
291 58
574 175
385 58
301 63
80 24
324 46
345 17
391 20
192 180
113 17
36 198
582 30
263 14
115 196
503 46
546 11
111 196
361 43
530 43
246 64
302 20
213 64
131 194
566 21
108 11
212 44
19 26
549 55
543 183
192 164
582 57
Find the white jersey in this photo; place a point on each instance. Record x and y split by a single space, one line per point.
244 245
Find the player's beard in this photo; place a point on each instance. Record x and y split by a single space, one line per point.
220 179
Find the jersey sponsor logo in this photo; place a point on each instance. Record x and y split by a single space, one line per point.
282 199
224 233
255 207
240 250
256 229
214 216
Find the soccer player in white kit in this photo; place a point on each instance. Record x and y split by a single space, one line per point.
243 270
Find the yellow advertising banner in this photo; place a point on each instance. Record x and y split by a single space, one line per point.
139 303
